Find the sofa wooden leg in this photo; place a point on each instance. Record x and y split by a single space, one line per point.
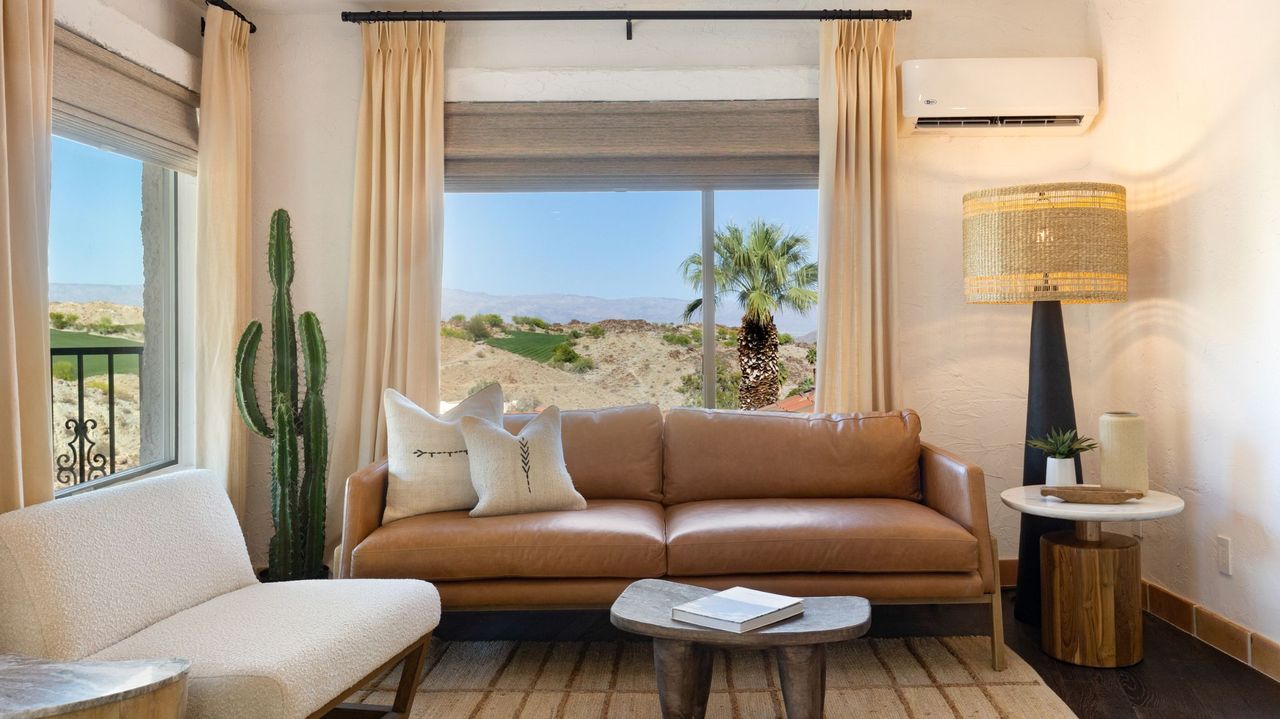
409 674
997 615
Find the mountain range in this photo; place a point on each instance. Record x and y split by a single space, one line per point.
550 307
563 308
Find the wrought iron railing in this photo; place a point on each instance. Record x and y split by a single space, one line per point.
83 459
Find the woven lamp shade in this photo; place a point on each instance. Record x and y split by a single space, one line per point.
1065 241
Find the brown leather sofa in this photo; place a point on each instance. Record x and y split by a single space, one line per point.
799 504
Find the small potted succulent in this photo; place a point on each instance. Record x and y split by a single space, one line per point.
1061 447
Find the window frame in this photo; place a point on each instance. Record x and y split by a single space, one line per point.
172 368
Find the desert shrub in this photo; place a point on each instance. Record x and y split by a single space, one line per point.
811 356
64 371
785 339
727 381
98 383
595 331
582 365
575 334
675 338
477 328
696 334
104 326
526 404
447 331
527 321
494 321
805 385
564 353
63 320
458 319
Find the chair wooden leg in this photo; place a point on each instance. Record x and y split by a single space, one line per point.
409 675
997 615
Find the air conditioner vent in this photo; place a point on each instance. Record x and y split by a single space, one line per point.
1044 120
1027 121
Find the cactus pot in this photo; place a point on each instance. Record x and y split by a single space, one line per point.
264 575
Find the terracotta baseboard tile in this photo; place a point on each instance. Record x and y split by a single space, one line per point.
1266 655
1008 572
1222 633
1174 609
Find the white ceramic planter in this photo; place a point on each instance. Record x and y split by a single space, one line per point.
1060 471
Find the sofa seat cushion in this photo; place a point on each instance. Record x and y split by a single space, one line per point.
610 538
759 536
285 650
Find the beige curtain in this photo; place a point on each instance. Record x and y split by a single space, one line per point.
26 98
857 131
393 292
224 247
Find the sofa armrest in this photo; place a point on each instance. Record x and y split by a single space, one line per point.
365 499
957 490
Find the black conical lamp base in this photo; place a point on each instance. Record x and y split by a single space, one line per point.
1049 406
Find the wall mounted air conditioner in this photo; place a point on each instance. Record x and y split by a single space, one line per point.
999 96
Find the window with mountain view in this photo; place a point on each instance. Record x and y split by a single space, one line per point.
111 314
593 299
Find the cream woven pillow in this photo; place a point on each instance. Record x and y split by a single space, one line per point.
521 473
427 465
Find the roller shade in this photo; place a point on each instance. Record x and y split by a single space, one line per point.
105 100
498 146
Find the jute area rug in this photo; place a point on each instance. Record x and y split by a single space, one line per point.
915 678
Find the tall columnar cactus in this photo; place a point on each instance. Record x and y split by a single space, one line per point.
297 509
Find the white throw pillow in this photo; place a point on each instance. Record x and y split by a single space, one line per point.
427 465
521 473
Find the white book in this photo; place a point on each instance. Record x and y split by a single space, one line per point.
738 610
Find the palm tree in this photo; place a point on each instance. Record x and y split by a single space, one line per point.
766 269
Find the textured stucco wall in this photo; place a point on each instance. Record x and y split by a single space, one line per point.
963 367
1190 128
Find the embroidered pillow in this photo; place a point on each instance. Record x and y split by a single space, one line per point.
427 465
521 473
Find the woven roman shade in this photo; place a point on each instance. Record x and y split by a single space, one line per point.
1065 241
105 100
666 145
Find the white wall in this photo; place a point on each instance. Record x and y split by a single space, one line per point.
1190 128
963 367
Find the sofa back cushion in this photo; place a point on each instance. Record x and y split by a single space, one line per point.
82 573
613 453
716 454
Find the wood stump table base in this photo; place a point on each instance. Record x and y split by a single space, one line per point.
684 678
1091 605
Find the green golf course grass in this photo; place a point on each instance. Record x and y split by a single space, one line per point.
94 365
534 345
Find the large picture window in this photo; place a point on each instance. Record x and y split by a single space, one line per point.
112 292
593 299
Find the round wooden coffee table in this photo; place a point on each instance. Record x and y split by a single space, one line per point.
682 658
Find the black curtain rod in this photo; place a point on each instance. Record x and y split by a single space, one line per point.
526 15
227 6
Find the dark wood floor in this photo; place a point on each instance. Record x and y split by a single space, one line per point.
1180 678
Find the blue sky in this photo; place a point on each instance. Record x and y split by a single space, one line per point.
603 244
95 234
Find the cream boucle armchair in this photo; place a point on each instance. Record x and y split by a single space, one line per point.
158 568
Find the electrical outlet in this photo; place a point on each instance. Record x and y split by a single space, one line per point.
1224 555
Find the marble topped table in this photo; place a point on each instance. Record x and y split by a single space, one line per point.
37 688
1091 580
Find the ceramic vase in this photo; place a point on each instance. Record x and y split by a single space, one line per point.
1060 471
1122 441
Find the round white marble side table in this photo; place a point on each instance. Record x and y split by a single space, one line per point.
39 688
1090 580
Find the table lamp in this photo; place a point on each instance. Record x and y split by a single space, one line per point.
1045 244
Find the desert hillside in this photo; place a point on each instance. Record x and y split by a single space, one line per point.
634 362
